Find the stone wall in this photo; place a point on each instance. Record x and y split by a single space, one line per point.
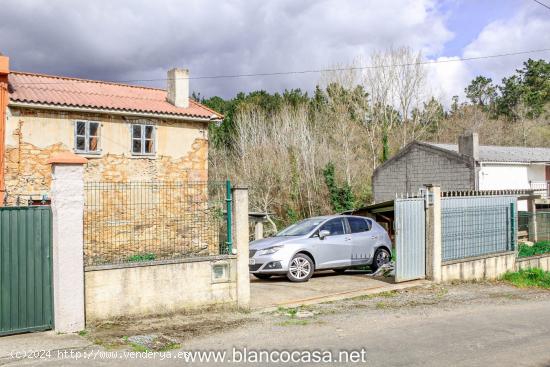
32 136
420 164
127 222
122 218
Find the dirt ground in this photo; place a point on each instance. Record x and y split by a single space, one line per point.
172 331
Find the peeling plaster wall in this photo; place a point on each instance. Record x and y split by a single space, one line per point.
32 136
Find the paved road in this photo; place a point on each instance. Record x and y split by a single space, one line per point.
498 331
481 335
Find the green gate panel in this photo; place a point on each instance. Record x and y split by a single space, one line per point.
25 269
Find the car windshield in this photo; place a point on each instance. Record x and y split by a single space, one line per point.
301 228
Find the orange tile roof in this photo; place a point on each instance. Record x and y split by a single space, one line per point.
73 92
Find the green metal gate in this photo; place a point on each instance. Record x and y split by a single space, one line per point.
25 269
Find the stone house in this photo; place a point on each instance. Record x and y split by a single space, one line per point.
127 133
464 166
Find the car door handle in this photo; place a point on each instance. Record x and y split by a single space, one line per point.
374 237
348 238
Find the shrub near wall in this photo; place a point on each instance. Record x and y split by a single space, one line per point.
538 248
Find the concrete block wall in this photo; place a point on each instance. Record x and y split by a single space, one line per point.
159 288
540 261
488 267
418 165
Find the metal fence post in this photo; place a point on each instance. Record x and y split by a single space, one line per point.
512 227
229 210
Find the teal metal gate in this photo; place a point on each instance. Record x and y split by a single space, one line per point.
410 239
25 269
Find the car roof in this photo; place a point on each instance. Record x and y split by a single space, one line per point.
325 217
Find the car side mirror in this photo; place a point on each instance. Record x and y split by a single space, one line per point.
323 233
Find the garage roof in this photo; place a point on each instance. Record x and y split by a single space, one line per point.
494 153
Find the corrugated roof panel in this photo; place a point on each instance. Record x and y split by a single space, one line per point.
494 153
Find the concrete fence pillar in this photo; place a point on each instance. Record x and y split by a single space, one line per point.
240 241
433 234
258 230
67 194
532 230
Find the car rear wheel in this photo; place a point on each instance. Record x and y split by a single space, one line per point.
262 276
381 257
300 268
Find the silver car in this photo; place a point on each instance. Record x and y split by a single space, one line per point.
335 242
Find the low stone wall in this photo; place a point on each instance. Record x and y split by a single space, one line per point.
476 268
159 287
540 261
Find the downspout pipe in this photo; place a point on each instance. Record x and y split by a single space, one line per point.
4 99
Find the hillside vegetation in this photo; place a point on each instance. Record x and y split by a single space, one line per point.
304 155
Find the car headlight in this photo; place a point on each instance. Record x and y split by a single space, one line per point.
269 250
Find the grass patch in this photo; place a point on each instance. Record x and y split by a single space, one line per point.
105 344
290 312
529 278
142 257
539 248
382 305
170 346
294 322
386 294
441 293
83 332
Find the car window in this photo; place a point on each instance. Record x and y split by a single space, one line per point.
334 226
358 225
301 228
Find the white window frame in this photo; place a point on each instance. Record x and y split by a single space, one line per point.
86 137
143 139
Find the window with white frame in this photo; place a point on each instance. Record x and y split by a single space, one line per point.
143 139
86 137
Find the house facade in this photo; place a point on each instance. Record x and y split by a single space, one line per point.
465 166
127 133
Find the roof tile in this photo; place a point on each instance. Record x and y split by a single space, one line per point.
62 91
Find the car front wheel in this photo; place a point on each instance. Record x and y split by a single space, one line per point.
300 268
381 257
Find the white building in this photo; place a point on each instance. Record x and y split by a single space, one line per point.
511 168
466 166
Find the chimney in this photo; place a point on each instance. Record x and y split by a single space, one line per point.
178 87
468 144
4 99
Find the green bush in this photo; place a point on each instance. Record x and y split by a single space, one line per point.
529 278
142 257
538 248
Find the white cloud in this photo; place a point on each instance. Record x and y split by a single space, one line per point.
448 78
132 39
528 29
141 39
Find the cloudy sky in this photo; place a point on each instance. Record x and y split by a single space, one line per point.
141 39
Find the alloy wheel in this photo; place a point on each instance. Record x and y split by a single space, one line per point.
300 268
